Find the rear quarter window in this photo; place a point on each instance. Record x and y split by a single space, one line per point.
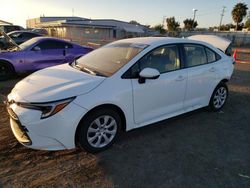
212 56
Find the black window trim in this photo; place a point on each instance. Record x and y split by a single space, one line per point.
127 74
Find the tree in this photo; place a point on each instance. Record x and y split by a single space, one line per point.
238 13
172 24
247 24
134 22
160 28
190 24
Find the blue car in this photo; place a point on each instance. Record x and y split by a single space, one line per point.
38 53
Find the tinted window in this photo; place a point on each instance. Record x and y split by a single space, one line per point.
16 35
212 56
164 59
10 28
51 44
29 35
195 55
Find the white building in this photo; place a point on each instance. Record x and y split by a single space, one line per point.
84 30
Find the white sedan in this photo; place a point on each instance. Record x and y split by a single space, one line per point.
119 87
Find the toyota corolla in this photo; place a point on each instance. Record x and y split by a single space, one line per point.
124 85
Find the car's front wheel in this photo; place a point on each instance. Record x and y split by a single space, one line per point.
99 130
219 97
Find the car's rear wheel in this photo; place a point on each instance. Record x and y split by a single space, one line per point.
6 71
99 130
219 97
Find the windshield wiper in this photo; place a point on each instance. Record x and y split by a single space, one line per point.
87 70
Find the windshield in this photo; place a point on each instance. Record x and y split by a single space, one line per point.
28 43
109 59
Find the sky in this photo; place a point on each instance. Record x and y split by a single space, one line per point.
147 12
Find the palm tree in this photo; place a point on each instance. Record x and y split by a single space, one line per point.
238 13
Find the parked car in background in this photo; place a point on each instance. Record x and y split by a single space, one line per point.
40 31
9 28
18 37
122 86
38 53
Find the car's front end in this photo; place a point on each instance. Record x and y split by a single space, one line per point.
40 126
43 114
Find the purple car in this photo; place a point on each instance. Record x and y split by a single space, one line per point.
38 53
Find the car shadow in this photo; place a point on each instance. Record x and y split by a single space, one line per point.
197 149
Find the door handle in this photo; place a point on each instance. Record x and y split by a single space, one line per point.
180 78
212 69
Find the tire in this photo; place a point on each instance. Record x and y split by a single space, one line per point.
219 97
6 71
99 130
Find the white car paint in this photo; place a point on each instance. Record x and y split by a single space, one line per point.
173 93
218 42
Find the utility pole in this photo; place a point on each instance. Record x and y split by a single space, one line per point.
194 10
221 16
164 21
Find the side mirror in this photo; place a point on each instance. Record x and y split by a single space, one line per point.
36 48
148 73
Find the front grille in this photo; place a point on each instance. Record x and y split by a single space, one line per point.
20 132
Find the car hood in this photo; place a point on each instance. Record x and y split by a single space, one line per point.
214 40
9 40
54 83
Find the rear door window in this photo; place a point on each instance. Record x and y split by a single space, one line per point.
195 55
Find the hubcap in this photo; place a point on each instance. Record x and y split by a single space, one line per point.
102 131
3 70
220 97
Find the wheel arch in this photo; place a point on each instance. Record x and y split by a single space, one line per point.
103 106
223 81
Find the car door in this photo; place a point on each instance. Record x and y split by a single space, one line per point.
70 52
202 65
156 99
46 53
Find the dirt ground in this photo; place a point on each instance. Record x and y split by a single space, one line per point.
198 149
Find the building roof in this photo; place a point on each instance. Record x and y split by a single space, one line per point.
58 18
98 23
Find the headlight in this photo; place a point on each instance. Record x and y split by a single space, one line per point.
49 108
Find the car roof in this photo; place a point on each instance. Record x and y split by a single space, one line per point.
49 38
156 40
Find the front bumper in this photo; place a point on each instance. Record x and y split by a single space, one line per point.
54 133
